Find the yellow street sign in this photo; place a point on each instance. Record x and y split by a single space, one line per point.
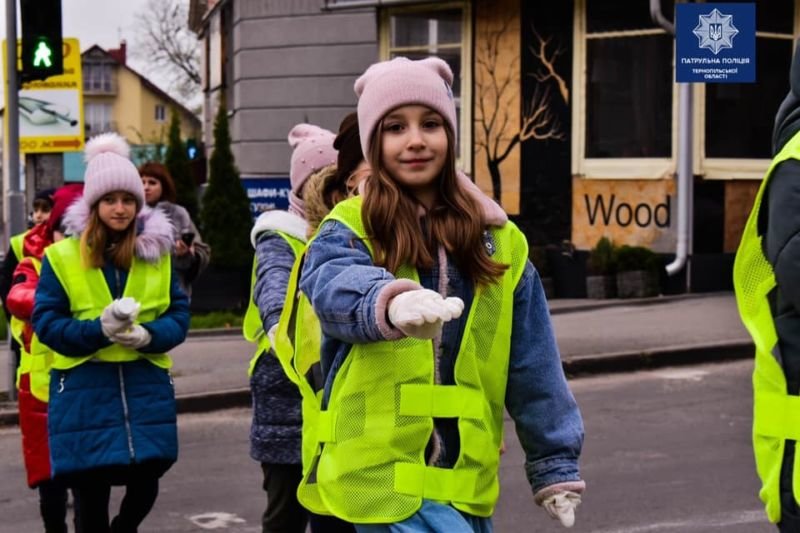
51 110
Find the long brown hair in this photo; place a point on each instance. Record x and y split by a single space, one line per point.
96 241
390 214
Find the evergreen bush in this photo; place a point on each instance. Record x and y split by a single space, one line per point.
631 258
177 162
603 258
225 209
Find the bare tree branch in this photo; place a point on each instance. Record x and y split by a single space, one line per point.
538 121
168 46
549 63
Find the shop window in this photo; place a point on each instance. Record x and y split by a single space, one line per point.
629 96
739 116
442 31
628 84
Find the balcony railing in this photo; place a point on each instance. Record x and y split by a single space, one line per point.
99 87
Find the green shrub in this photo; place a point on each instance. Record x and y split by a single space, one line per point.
217 319
226 209
177 162
630 258
603 258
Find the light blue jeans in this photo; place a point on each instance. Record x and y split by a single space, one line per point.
433 517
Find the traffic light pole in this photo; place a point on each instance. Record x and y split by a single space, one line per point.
15 206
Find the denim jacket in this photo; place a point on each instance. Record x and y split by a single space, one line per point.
349 294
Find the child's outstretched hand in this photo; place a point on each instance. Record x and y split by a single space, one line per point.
421 313
561 506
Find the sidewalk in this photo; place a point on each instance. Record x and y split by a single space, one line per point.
594 336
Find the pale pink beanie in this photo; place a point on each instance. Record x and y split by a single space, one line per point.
401 81
313 151
109 169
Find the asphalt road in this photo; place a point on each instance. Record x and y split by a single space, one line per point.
666 451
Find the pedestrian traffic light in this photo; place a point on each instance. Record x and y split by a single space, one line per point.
191 148
42 49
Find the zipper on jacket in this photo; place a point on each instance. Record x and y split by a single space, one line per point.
61 382
117 291
125 413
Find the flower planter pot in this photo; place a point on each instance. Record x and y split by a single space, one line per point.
637 284
569 273
601 287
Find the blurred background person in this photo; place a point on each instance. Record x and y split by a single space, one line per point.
191 254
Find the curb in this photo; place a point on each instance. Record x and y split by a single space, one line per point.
579 366
657 358
593 305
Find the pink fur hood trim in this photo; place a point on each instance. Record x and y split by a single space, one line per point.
154 231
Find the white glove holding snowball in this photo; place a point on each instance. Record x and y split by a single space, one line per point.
421 313
561 506
119 316
134 338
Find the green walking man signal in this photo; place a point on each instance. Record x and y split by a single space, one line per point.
42 57
42 48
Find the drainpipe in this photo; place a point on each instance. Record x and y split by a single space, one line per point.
685 191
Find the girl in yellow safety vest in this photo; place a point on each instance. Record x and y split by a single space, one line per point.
434 322
109 306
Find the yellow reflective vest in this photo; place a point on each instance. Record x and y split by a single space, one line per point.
88 293
776 415
38 361
252 327
17 242
368 463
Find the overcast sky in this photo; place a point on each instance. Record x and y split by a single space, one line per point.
102 22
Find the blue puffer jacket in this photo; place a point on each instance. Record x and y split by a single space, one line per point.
111 414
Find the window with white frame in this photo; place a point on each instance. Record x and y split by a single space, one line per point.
739 116
98 118
628 81
436 30
161 113
97 77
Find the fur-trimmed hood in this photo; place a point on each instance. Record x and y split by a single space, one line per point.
284 221
154 231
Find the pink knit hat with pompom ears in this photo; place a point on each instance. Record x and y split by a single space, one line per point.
313 151
390 84
109 169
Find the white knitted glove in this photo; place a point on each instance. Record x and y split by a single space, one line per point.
118 316
561 506
133 338
421 313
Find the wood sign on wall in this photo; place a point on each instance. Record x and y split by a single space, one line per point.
634 212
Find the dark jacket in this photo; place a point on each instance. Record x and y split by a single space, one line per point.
188 266
779 222
277 418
